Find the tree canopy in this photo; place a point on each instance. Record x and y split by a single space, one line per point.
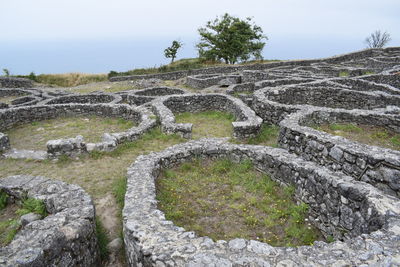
170 52
231 39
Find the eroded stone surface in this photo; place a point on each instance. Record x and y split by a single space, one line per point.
66 237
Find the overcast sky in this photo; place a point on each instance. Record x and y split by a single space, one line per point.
36 35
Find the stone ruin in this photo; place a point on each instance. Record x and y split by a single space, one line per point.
66 237
352 189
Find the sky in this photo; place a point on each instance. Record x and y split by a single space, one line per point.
96 36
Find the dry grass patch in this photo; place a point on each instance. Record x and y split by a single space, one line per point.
366 134
36 134
70 79
226 200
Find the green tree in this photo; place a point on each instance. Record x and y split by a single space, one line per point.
6 72
171 51
231 39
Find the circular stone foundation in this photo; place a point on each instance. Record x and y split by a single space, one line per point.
74 146
93 98
140 97
376 165
247 124
274 104
355 212
66 237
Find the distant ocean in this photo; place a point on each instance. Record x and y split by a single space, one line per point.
101 56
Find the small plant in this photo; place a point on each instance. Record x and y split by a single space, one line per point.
119 190
32 205
3 199
344 73
330 239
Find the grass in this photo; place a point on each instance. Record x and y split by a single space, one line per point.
70 79
344 73
108 87
35 135
366 134
102 240
33 205
208 123
96 172
3 199
226 200
268 136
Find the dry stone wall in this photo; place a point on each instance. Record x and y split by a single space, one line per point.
247 124
66 237
352 211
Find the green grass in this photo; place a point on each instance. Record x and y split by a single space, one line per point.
8 229
344 74
102 240
208 123
32 205
119 190
3 199
366 134
35 135
226 200
268 136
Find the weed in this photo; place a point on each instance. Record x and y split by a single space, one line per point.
32 205
102 240
330 239
119 190
3 199
344 74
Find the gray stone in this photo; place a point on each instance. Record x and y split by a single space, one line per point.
28 218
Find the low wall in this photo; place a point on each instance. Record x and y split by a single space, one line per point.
230 69
247 124
66 237
375 165
341 207
12 82
75 146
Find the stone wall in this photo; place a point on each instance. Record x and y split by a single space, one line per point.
75 146
274 103
204 81
247 124
375 165
140 97
66 237
12 82
4 142
230 69
92 98
339 206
